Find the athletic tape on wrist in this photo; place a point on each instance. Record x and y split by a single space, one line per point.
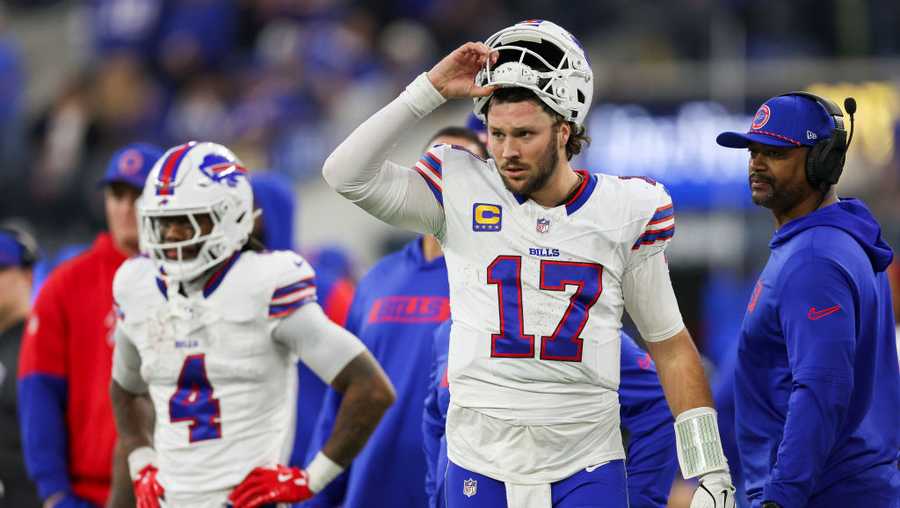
138 460
698 442
321 471
422 97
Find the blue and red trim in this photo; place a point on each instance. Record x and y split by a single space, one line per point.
652 236
662 214
430 167
219 275
437 191
169 171
293 288
433 163
277 311
588 184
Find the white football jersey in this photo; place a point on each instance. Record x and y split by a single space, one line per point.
224 391
537 300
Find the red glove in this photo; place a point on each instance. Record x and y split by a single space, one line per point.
147 491
279 484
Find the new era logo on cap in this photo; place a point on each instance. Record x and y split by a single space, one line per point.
811 135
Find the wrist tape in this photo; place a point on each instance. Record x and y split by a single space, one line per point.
698 442
138 460
321 471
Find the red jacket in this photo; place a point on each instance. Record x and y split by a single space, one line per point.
64 373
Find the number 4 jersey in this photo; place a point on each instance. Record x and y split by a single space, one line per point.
537 296
221 375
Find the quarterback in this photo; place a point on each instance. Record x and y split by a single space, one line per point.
208 333
543 259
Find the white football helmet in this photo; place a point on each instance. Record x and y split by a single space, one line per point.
191 180
543 57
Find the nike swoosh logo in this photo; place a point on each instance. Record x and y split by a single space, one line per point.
284 477
299 263
814 314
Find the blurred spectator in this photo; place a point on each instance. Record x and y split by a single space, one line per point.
124 26
12 94
17 256
64 369
196 36
73 140
273 198
44 266
398 305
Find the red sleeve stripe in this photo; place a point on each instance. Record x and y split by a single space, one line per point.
434 187
293 288
279 311
662 214
295 296
652 236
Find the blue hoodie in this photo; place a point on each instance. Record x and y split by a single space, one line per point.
395 310
817 385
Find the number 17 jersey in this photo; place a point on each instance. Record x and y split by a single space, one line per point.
537 297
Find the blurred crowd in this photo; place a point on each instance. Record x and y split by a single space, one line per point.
282 80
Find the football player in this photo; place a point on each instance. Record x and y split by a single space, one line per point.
651 464
209 329
542 261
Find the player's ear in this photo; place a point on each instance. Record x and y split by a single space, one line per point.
565 131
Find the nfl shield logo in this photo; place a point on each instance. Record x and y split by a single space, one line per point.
470 487
543 225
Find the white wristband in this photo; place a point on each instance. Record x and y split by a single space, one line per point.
321 471
421 96
138 460
698 442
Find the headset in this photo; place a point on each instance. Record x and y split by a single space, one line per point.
825 161
25 241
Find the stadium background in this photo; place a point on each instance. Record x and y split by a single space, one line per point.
281 82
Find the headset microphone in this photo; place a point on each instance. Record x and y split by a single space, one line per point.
850 107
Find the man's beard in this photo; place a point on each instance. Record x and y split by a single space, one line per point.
546 166
779 196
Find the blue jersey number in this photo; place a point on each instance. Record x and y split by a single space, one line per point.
565 344
193 401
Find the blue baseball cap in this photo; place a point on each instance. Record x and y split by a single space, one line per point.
131 164
12 253
786 120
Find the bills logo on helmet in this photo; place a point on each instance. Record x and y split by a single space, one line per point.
219 169
761 118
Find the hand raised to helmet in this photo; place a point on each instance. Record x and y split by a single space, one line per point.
454 76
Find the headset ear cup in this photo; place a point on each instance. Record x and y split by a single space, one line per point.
834 158
813 164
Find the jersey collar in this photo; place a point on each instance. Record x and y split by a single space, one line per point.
219 275
588 184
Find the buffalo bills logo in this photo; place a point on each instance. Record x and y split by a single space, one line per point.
130 162
221 170
761 118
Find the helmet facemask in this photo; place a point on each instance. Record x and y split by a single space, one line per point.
544 59
219 199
